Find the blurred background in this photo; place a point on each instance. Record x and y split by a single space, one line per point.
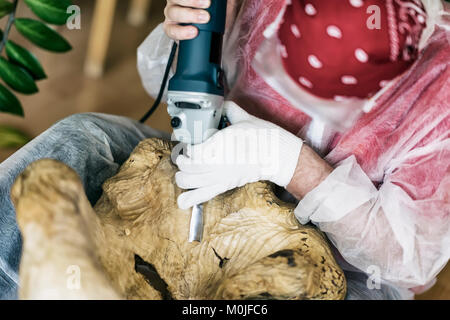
74 84
99 75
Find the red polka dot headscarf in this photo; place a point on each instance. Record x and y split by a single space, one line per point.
349 48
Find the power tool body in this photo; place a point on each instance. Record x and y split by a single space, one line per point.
196 91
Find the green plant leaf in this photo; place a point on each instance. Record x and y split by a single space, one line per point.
26 59
41 35
9 103
51 11
12 138
17 78
6 7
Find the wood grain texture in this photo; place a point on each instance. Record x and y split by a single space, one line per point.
253 247
57 243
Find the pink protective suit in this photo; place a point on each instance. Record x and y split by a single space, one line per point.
386 205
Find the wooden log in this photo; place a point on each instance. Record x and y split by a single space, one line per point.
252 247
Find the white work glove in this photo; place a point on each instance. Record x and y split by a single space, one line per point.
249 150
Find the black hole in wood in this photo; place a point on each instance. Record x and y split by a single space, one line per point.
152 276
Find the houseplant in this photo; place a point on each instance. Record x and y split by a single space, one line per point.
19 68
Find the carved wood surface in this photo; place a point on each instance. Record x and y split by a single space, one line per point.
133 243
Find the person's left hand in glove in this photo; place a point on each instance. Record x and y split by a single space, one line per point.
249 150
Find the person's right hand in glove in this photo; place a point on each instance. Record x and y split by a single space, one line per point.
185 11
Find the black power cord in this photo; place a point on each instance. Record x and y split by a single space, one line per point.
163 85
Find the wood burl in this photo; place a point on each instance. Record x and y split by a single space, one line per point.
133 243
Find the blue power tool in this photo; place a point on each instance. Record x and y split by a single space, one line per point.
196 91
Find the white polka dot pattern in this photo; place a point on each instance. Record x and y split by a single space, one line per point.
334 32
295 31
283 51
327 55
361 55
314 62
357 3
305 82
349 80
310 9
